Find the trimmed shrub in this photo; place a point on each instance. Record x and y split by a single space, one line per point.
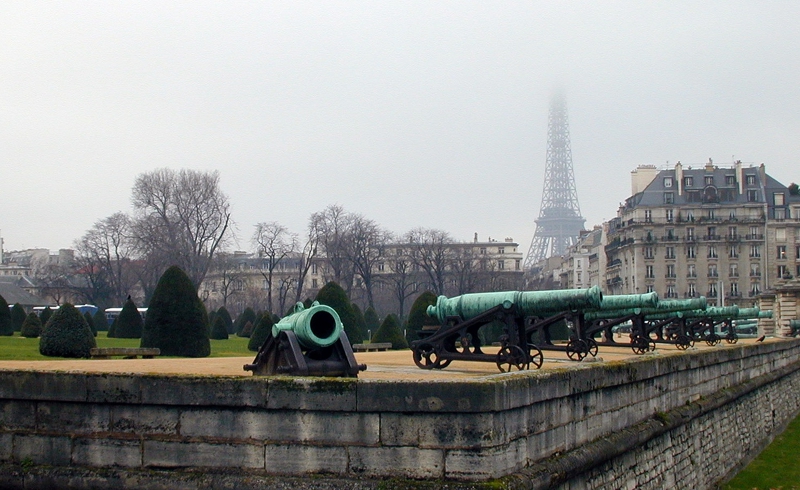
418 316
177 322
100 321
6 327
389 331
45 315
18 316
248 315
223 313
334 296
219 331
31 327
90 321
359 320
372 321
262 330
247 330
129 322
66 334
112 329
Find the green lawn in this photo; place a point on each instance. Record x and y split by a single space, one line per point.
16 348
777 467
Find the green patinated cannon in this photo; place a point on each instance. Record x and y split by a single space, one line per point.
795 326
307 342
521 303
662 307
626 301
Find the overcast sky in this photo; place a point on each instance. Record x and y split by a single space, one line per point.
428 114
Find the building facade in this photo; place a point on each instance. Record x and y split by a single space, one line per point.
727 233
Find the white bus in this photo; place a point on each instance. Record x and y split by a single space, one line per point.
113 313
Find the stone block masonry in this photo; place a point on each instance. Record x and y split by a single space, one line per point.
646 422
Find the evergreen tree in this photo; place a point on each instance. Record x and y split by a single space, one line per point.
247 330
360 322
18 316
47 312
418 316
112 329
334 296
212 317
219 331
31 327
262 330
6 326
226 317
90 321
177 322
389 331
129 323
100 321
66 334
248 315
372 321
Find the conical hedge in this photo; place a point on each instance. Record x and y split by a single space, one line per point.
389 331
31 327
177 322
6 326
219 331
418 316
262 330
66 334
129 322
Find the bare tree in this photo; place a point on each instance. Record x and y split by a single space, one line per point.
104 254
228 271
333 226
431 251
366 241
308 256
273 243
183 216
464 270
401 278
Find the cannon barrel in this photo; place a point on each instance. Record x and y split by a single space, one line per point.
710 312
524 303
794 323
753 313
665 308
625 301
317 326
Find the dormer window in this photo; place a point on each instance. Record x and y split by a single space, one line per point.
667 181
750 179
688 181
709 180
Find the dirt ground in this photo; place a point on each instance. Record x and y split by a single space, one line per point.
380 365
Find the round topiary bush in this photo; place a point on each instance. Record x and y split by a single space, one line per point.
223 313
66 334
18 316
261 331
177 322
248 315
389 331
31 327
219 331
45 315
129 323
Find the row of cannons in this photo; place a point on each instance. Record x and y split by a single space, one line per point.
311 341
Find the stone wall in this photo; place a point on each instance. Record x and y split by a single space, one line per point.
583 426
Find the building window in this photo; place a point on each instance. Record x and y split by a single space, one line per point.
501 250
648 252
783 271
691 270
648 215
314 284
779 213
750 179
516 265
752 195
709 180
734 270
501 265
734 288
648 272
732 215
712 214
313 268
669 198
671 291
483 250
712 270
690 234
239 285
712 233
730 180
755 250
670 270
667 181
381 267
778 199
688 181
691 252
670 214
690 216
755 289
780 234
797 252
649 288
712 252
781 251
712 290
755 270
733 232
733 251
670 253
579 276
691 290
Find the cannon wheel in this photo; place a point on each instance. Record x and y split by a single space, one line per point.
577 350
640 345
426 356
712 339
511 356
652 345
731 338
592 344
684 342
536 356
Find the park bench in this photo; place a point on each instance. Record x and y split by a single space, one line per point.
376 346
125 352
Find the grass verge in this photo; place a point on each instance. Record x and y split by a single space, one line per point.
777 467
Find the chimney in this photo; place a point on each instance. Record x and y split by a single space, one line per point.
762 173
679 177
710 165
739 176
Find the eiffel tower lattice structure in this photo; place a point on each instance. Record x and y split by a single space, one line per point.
560 222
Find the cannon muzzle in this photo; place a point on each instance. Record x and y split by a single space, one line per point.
523 303
317 326
625 301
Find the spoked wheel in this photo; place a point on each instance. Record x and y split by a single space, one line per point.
684 342
577 350
510 357
640 345
652 345
731 338
712 339
536 356
426 356
592 345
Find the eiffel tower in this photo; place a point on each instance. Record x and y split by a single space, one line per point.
560 221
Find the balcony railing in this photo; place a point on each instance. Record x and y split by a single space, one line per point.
754 237
711 237
713 274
